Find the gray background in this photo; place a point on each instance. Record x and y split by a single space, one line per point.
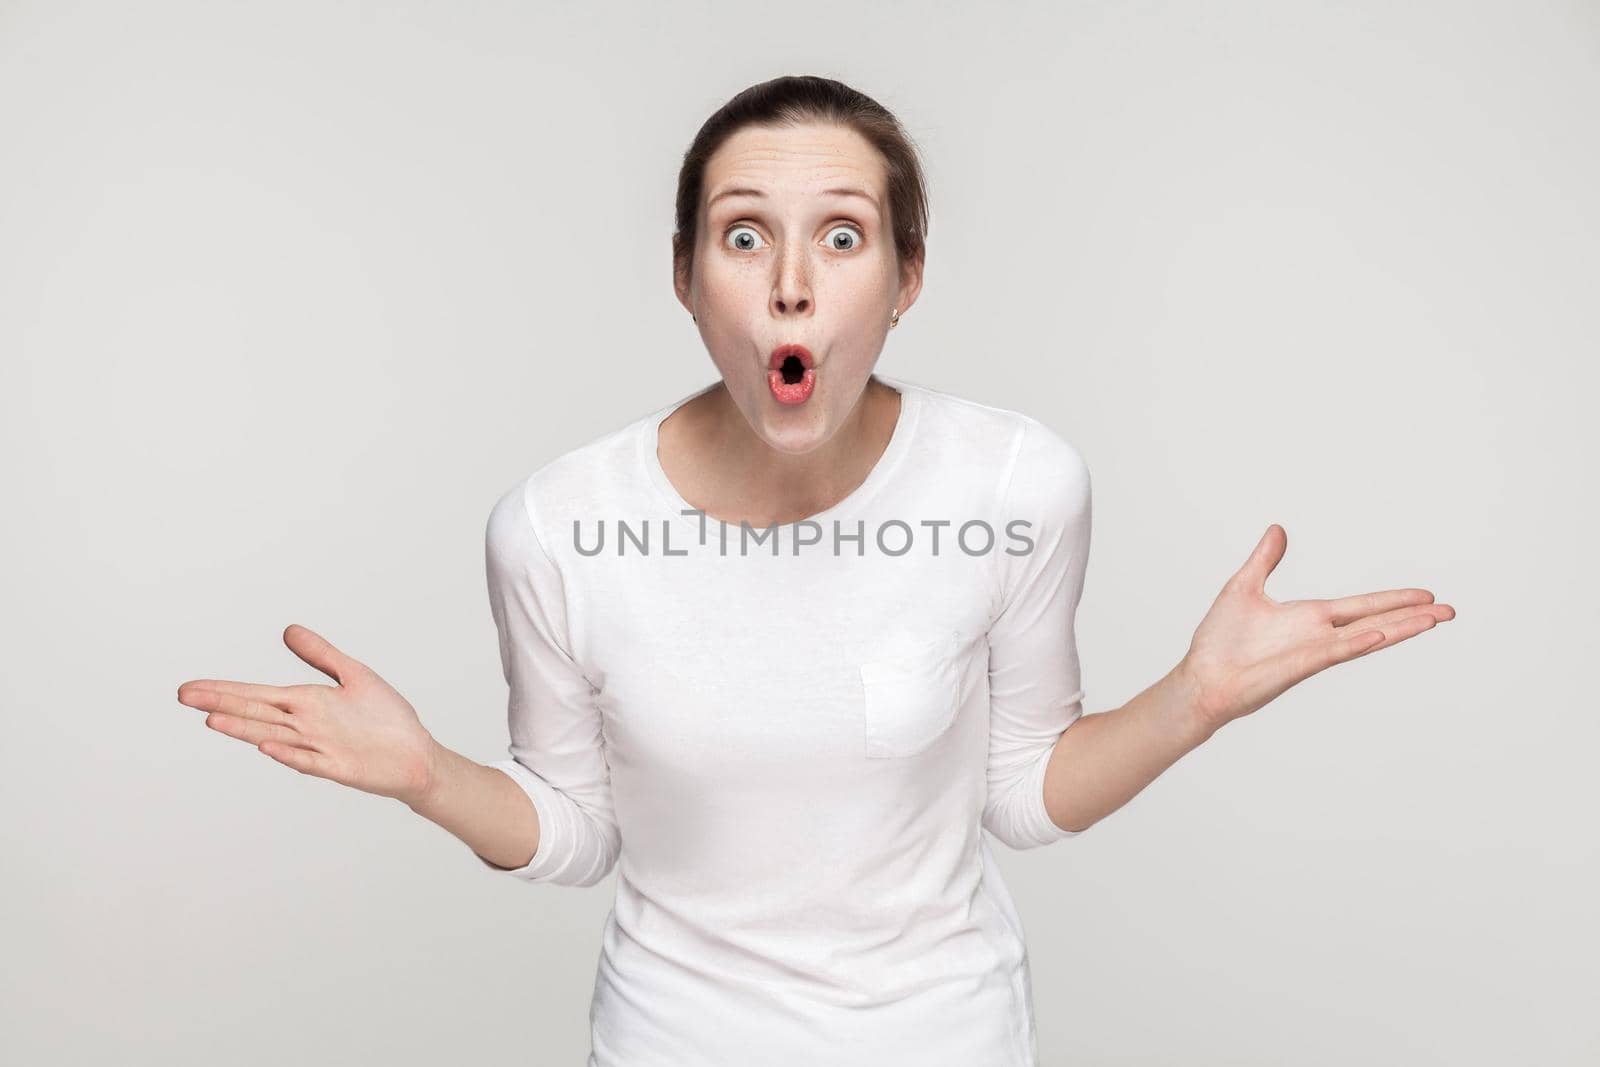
289 293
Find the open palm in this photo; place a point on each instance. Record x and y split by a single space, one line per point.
361 732
1250 648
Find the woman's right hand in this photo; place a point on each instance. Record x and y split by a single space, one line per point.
360 733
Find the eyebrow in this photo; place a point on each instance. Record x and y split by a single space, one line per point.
745 190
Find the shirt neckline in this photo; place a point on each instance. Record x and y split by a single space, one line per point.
649 438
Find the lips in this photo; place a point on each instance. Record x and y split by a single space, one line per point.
790 374
783 352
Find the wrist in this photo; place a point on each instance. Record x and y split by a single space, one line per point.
435 772
1191 704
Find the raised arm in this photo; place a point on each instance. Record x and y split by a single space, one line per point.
1247 651
543 815
360 732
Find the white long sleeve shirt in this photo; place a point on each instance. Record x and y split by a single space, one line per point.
787 748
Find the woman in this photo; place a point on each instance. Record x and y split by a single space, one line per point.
779 650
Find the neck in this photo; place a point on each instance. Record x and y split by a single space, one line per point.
739 476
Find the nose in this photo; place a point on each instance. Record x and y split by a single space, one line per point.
791 289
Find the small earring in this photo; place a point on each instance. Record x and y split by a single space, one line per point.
894 317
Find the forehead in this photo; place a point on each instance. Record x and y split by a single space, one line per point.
796 159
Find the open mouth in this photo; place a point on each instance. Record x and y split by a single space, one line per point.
791 374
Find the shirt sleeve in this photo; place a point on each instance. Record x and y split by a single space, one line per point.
1035 686
557 748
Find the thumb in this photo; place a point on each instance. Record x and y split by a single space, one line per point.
320 653
1266 556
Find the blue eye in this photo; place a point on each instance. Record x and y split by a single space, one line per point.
851 230
744 246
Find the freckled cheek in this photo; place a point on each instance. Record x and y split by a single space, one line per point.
856 302
726 295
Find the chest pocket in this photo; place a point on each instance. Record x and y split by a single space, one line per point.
910 698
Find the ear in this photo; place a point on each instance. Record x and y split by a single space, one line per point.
680 280
910 284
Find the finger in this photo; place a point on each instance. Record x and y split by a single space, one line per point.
1387 619
1266 556
1352 647
254 731
1396 632
302 760
1349 608
320 653
237 706
279 696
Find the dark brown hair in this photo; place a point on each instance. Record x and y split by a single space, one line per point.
789 101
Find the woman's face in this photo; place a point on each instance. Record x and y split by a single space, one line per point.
791 259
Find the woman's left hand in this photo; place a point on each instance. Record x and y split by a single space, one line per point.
1250 648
